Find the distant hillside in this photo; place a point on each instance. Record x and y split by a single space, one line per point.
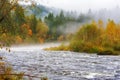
40 11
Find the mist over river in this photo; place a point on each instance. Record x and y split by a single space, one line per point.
62 65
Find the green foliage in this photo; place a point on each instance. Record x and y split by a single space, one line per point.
54 22
76 45
83 18
94 38
94 50
88 32
17 28
41 30
33 23
19 15
116 47
61 47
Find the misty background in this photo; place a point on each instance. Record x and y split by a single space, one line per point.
79 12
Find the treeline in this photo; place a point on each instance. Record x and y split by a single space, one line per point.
54 23
96 37
18 28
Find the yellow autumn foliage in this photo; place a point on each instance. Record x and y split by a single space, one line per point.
95 38
19 39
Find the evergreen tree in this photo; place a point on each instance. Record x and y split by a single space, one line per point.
33 23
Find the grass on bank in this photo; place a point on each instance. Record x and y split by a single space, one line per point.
95 38
6 73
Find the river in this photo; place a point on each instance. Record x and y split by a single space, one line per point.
62 65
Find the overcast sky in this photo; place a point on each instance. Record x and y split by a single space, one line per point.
81 5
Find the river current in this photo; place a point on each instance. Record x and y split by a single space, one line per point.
62 65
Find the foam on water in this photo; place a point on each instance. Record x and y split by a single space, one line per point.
63 65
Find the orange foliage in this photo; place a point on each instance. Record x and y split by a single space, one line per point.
19 39
30 32
41 40
25 28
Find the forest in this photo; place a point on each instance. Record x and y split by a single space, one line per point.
17 27
95 37
35 24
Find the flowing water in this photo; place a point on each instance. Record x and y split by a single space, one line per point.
62 65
